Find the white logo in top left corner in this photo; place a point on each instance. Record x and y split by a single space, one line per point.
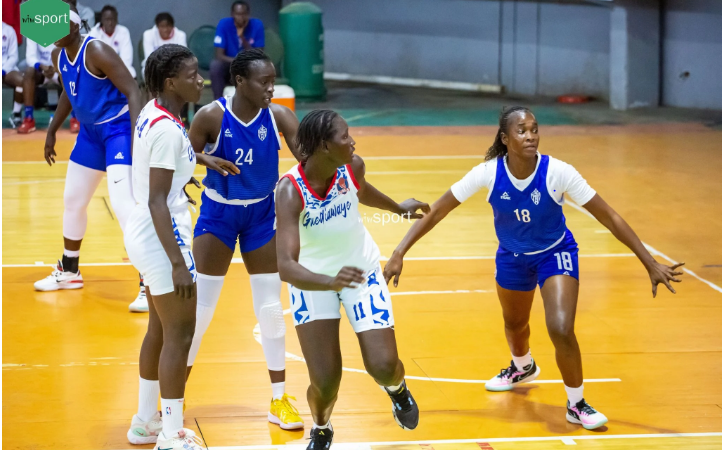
262 132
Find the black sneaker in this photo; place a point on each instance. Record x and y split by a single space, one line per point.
584 414
404 408
509 377
321 438
15 120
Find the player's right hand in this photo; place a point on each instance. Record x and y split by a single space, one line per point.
50 148
183 282
348 277
221 165
393 268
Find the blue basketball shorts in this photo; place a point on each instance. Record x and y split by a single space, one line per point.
100 146
252 225
521 272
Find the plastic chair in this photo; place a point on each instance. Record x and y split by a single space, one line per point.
201 43
274 48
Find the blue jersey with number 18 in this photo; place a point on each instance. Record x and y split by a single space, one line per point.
529 220
253 147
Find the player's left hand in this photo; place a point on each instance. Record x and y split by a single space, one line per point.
410 206
661 273
196 183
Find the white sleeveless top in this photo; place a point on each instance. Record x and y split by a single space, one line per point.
331 232
160 140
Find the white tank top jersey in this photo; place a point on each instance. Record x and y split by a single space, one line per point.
331 232
160 141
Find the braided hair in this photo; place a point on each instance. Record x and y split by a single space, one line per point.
315 128
165 62
244 59
498 148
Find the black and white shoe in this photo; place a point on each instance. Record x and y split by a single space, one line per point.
404 407
320 438
582 413
511 376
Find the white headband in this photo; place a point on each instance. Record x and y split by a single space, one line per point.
74 17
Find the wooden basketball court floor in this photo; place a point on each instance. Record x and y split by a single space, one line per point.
652 365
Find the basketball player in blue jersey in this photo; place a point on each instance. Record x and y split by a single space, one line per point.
106 100
244 129
526 191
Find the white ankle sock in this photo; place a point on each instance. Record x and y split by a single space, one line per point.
71 253
17 107
278 390
575 395
323 427
394 388
148 391
172 411
522 361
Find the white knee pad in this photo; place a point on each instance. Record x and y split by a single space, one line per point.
120 190
266 291
80 185
208 290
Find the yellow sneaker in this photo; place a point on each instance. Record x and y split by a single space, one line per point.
284 414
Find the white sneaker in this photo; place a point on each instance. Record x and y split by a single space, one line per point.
145 432
60 279
582 413
184 440
140 304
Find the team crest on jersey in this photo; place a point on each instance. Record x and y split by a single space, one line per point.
262 132
535 196
342 186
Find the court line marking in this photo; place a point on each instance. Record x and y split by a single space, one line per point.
411 258
256 332
369 445
652 250
366 158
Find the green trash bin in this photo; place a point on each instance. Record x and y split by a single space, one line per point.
300 27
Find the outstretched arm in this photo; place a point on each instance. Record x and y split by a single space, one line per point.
370 196
438 211
288 207
659 273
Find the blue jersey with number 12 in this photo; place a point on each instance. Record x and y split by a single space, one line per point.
95 100
253 147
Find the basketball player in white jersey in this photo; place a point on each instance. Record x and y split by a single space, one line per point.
327 256
158 240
